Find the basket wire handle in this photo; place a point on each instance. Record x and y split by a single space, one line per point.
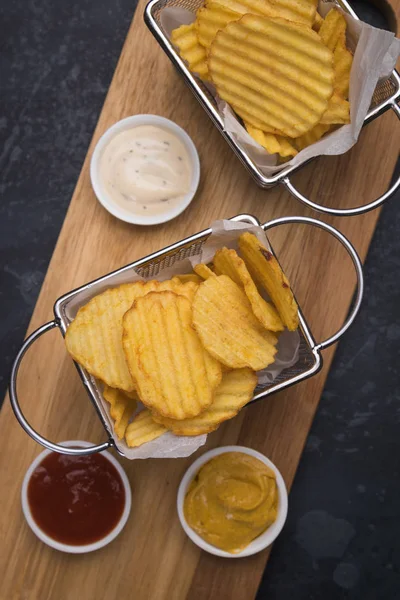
346 212
19 414
356 262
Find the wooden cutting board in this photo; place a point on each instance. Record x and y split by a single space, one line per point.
153 558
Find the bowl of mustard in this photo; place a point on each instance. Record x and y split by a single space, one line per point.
232 502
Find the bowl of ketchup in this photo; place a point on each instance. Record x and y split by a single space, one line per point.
76 504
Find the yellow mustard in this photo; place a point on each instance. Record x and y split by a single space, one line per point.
232 500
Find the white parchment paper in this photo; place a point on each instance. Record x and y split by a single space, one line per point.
375 54
224 233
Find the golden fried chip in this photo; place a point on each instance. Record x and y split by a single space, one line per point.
186 278
245 116
342 60
273 144
332 28
174 374
203 271
274 73
210 19
300 11
268 141
235 391
338 111
318 20
122 407
227 262
190 49
187 288
227 327
94 338
312 136
143 429
265 269
286 147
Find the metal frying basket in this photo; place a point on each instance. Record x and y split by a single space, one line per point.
386 95
65 308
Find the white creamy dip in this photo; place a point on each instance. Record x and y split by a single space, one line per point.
145 169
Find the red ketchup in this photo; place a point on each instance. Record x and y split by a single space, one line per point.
76 500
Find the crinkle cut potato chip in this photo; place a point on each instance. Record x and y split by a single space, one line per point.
257 125
338 111
274 73
227 327
143 429
233 393
227 262
203 271
94 337
186 288
318 20
342 60
122 407
210 19
286 147
190 49
186 278
266 271
312 136
332 29
273 144
173 373
299 11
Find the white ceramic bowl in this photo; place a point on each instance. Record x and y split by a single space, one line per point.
262 541
66 547
107 201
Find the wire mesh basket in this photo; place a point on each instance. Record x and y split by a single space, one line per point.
386 95
309 360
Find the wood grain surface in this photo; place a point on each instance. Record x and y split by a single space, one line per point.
153 558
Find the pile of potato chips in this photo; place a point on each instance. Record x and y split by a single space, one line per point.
188 348
283 69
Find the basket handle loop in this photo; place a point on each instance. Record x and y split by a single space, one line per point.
346 212
356 262
17 409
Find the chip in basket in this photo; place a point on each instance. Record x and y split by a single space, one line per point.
312 136
338 111
227 262
122 407
299 11
267 272
186 278
143 429
227 327
235 391
318 20
203 271
274 73
94 337
343 59
174 374
210 19
274 144
332 29
185 38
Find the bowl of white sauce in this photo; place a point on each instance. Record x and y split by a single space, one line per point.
145 170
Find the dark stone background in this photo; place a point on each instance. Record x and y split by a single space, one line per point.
341 537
